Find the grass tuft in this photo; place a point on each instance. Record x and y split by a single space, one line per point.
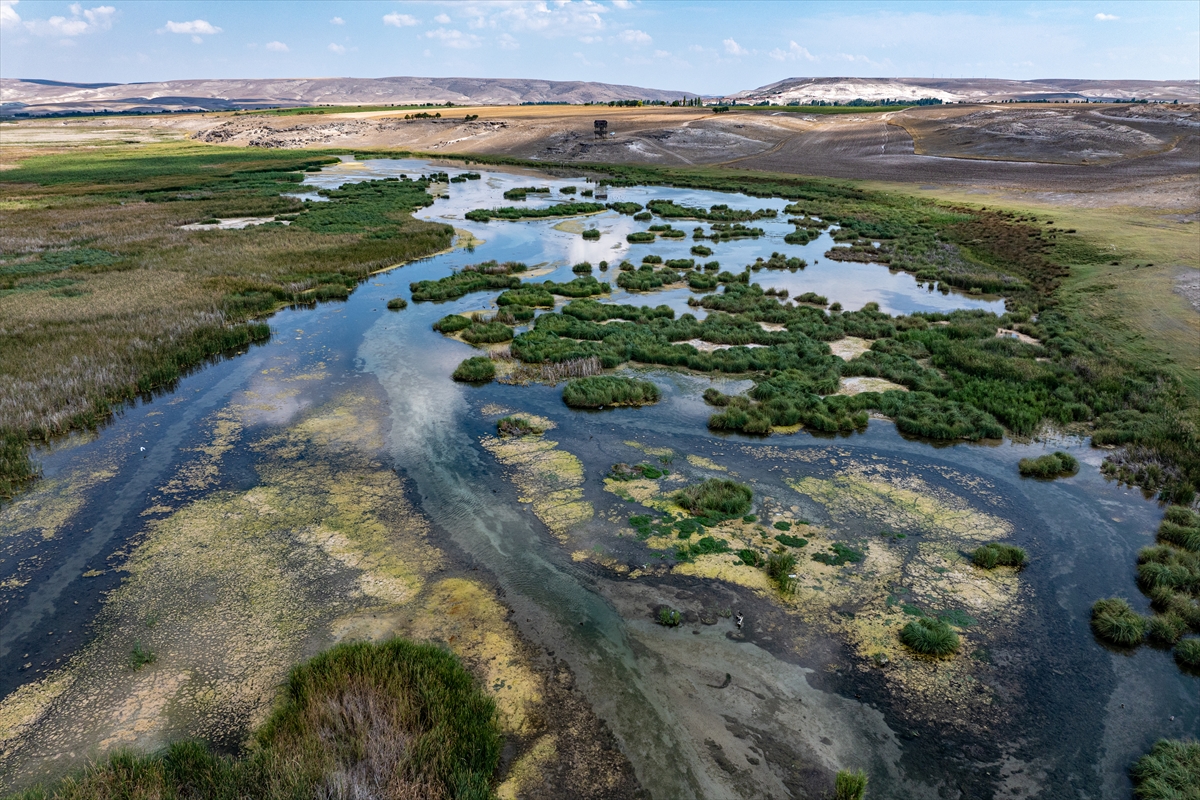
715 497
993 555
850 785
930 637
1051 465
477 369
598 391
1116 623
1170 771
1187 652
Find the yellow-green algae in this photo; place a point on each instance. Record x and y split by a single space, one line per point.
549 479
705 463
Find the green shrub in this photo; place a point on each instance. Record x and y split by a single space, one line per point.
715 497
583 267
477 369
452 323
397 304
591 235
1170 771
782 525
993 555
929 637
598 391
1050 465
669 617
1115 622
791 541
850 785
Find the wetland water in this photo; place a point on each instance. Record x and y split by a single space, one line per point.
352 406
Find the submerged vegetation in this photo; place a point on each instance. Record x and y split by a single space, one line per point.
393 719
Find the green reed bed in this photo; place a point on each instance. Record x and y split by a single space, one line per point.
601 391
390 719
1170 771
477 369
1051 465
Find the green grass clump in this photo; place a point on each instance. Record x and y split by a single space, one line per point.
397 304
487 333
591 235
669 617
393 719
1170 771
850 785
701 250
1187 652
779 571
1167 629
1051 465
1116 623
783 525
994 554
626 208
452 323
930 637
141 656
598 391
529 295
517 426
477 369
487 276
791 541
625 472
641 237
840 556
751 558
715 497
1181 527
707 545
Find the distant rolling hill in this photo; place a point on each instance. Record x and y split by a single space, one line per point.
953 90
39 97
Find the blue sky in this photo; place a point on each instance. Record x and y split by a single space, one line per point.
707 47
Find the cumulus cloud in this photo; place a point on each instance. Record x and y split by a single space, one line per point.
196 27
82 20
336 48
622 4
442 19
9 18
337 21
1106 17
508 42
276 47
794 53
635 37
552 19
398 20
453 38
733 48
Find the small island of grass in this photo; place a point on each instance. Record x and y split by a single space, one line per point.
598 391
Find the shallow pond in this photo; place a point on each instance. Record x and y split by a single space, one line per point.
1031 706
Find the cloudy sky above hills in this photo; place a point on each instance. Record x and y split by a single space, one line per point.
711 47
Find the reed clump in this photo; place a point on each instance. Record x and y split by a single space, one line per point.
930 637
599 391
1051 465
715 498
1170 771
1116 623
477 369
994 554
850 785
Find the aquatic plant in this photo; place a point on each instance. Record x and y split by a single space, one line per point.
715 497
397 304
517 426
640 237
487 333
669 617
779 571
707 545
1187 652
701 250
850 785
840 555
791 541
751 558
520 192
599 391
452 323
782 525
1166 629
392 718
515 213
487 276
626 208
930 637
1051 465
1170 771
477 369
591 235
1115 622
994 554
625 472
140 656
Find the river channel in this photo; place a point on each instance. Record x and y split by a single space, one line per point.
352 394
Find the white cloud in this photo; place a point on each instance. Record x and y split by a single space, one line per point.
508 42
591 39
442 19
276 47
398 20
662 54
337 21
453 38
625 4
9 18
551 18
89 20
1106 17
336 48
635 37
794 53
195 27
733 48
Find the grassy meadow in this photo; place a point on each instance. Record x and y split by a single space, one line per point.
104 295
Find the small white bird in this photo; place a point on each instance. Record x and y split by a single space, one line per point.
142 450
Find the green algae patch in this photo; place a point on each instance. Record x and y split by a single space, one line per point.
700 462
528 771
549 479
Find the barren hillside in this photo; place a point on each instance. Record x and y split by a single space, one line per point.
950 90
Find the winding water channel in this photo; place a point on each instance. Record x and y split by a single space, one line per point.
1034 707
